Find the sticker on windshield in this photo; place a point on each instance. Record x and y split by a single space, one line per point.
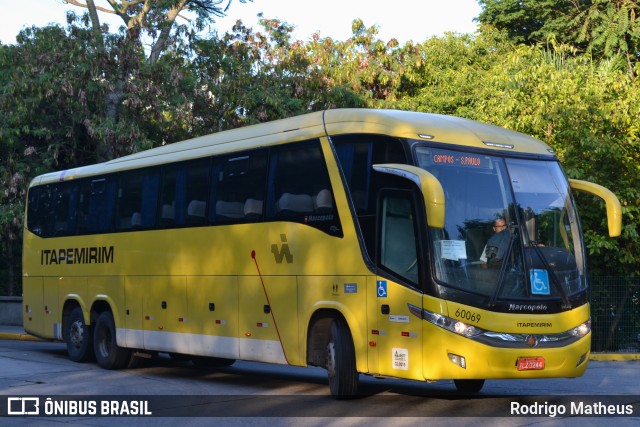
539 282
453 249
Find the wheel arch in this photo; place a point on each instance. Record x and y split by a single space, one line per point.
99 306
318 334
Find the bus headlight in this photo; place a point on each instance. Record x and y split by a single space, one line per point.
582 329
462 328
447 323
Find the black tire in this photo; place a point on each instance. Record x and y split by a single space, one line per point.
79 337
469 386
108 354
341 362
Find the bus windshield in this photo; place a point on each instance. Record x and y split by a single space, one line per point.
511 231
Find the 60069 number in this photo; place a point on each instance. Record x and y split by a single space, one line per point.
468 315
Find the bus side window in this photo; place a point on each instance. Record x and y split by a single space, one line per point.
168 215
138 199
100 206
398 247
356 154
36 212
238 190
300 189
64 213
197 191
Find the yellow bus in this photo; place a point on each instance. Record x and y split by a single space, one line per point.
378 242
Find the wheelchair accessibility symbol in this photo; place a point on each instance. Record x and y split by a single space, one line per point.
539 282
382 288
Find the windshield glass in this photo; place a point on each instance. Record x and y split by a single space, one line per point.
510 228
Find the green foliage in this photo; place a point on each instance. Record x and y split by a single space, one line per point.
532 21
64 97
601 28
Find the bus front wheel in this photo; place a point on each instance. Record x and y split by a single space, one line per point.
469 386
341 362
78 336
108 354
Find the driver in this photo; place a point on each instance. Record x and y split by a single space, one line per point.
497 244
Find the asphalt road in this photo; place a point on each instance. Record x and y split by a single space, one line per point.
256 394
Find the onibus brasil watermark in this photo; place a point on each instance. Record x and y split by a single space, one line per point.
76 407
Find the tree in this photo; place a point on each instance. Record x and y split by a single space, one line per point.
38 105
153 20
611 28
246 77
601 28
533 21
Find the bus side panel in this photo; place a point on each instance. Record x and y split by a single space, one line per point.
399 341
213 315
134 317
52 317
346 295
166 320
259 336
33 307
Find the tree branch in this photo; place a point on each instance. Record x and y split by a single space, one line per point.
77 3
159 45
95 23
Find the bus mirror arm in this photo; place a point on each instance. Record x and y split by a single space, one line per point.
614 209
428 185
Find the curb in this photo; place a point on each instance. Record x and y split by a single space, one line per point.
18 336
614 357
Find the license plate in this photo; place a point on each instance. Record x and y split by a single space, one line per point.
530 363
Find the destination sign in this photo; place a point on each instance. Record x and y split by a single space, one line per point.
455 158
460 159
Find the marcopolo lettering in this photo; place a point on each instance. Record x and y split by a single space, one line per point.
89 255
528 307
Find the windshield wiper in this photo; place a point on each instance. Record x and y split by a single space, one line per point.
503 270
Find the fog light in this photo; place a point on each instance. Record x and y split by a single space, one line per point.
582 359
458 360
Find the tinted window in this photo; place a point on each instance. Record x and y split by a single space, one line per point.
356 154
239 187
137 199
300 189
100 205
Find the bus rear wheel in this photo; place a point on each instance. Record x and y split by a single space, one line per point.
469 386
108 354
78 336
341 362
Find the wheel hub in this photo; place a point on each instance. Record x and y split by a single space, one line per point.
76 333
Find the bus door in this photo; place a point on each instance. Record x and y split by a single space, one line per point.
399 333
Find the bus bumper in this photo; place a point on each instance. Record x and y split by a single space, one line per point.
463 358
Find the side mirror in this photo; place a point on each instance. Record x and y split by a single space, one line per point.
614 210
428 185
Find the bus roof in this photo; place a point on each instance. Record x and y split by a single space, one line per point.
404 124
